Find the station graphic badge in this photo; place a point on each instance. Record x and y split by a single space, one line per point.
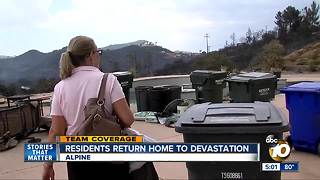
279 149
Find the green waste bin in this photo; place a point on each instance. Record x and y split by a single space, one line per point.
208 85
125 79
232 123
250 87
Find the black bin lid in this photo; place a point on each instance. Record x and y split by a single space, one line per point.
122 73
125 78
251 76
200 76
208 73
231 117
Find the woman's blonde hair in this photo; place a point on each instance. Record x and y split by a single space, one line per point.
78 49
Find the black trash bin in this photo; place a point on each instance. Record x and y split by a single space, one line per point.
208 85
125 79
173 94
250 87
277 74
142 98
157 98
232 123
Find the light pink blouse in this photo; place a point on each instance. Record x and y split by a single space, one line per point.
71 95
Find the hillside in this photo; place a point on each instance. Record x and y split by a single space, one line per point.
30 66
141 60
4 57
119 46
304 59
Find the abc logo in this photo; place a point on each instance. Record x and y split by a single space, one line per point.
279 150
270 140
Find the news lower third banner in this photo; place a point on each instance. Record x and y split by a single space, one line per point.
107 150
159 152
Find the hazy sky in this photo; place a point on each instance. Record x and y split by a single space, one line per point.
47 25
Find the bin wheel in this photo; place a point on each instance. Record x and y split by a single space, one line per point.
289 140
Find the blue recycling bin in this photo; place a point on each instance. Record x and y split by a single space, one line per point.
303 104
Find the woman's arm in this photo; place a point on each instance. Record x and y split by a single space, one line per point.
123 112
58 128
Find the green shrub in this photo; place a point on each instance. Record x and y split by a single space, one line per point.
313 66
